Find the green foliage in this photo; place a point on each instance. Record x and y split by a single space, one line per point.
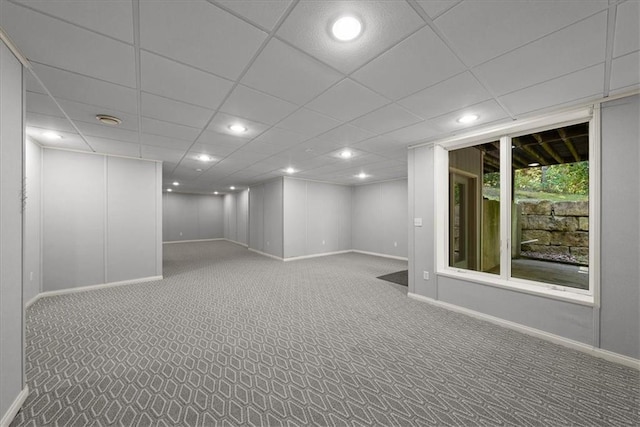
568 178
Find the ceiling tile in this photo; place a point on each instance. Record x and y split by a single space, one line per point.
548 58
47 122
384 24
386 119
343 136
627 33
106 131
259 147
482 30
415 133
161 141
347 100
262 12
216 150
31 84
581 84
254 105
308 123
222 121
173 80
625 71
435 8
450 95
279 138
488 112
161 153
70 140
42 104
172 111
113 18
109 146
74 87
287 73
56 43
171 130
191 32
418 62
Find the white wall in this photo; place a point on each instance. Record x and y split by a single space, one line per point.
102 219
379 218
265 217
317 217
192 217
236 217
615 326
11 173
32 270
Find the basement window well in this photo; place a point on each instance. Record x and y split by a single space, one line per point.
518 209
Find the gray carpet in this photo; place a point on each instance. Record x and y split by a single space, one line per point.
234 338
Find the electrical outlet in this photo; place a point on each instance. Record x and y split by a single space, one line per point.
31 276
323 242
425 275
395 244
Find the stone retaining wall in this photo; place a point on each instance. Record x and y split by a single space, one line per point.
561 230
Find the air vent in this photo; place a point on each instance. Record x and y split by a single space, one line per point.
108 120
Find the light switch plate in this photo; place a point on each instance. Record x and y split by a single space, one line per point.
417 222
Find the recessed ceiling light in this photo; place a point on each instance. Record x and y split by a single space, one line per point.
346 28
51 135
204 158
215 192
198 170
169 190
176 183
237 128
108 120
534 164
362 175
468 118
346 154
232 188
290 170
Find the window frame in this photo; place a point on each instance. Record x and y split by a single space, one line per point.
505 133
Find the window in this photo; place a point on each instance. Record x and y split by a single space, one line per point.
520 208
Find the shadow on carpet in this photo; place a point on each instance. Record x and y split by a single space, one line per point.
399 277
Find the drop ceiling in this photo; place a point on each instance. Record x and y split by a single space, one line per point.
178 73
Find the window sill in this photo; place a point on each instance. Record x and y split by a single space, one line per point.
517 286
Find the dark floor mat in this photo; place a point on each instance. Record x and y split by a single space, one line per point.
399 277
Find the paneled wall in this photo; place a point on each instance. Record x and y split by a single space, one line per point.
317 218
11 172
192 217
236 217
102 219
379 218
32 271
265 217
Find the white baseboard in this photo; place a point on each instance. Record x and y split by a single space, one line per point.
381 255
296 258
100 286
193 241
32 301
556 339
266 254
15 407
237 243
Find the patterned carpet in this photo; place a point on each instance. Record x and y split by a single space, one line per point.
234 338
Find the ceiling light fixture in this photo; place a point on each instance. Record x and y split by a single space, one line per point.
290 170
176 183
232 188
169 190
469 118
198 170
534 164
237 128
215 192
346 154
204 158
362 175
106 119
51 135
346 28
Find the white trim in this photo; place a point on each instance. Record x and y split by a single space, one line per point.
96 153
14 49
235 243
401 258
15 407
296 258
100 286
194 241
595 204
266 254
556 339
32 300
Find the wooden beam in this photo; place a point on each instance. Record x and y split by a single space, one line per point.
516 160
548 148
530 151
569 144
